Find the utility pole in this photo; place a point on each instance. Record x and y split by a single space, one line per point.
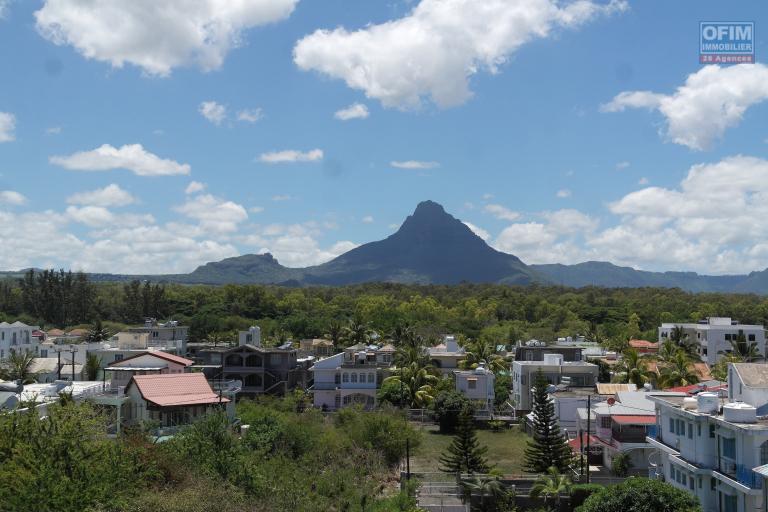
407 458
589 418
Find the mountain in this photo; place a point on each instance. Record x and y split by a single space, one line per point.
433 247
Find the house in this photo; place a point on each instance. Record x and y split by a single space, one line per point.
477 385
50 369
18 337
317 347
644 346
172 399
717 447
555 370
350 377
446 355
164 335
536 350
714 335
155 362
262 370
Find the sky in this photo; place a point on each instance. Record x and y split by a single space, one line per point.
152 137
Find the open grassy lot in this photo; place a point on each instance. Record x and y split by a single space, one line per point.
505 449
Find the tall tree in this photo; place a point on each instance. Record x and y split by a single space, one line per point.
465 454
679 371
548 447
551 486
92 366
97 332
417 382
18 366
633 369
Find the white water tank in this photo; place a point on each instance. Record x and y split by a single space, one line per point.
553 359
690 403
708 403
610 355
739 412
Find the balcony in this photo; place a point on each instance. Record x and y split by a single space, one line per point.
325 386
741 474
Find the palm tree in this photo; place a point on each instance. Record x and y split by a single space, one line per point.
634 369
18 366
745 351
679 371
491 491
402 335
356 333
418 383
483 351
411 353
551 485
335 331
92 366
667 351
97 333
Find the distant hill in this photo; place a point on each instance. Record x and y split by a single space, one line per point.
433 247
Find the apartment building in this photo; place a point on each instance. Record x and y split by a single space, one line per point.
715 447
714 335
556 370
161 333
18 337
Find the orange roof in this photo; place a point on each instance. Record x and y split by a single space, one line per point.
172 389
78 332
702 370
55 332
162 355
643 344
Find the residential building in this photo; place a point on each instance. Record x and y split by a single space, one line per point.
714 335
716 447
536 352
556 371
250 337
51 369
569 399
644 346
171 400
447 355
351 377
161 335
317 347
155 362
18 337
477 385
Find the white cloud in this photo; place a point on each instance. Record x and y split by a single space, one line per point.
100 217
250 115
156 36
4 4
478 231
111 195
11 197
7 127
501 212
368 219
436 48
291 155
563 193
213 112
256 209
216 216
282 197
296 245
487 197
712 100
132 157
354 111
194 187
53 130
643 181
413 164
622 165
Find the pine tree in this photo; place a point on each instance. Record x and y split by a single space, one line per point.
548 447
464 454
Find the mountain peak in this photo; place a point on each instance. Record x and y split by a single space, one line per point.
429 208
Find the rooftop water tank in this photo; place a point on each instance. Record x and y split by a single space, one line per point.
708 403
739 412
553 359
690 403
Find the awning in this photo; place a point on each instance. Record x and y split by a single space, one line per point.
576 443
635 420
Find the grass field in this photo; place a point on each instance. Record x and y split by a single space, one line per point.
505 449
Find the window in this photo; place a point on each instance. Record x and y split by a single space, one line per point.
699 479
691 483
523 379
664 334
712 483
605 422
345 377
704 350
712 431
751 337
354 377
472 383
729 447
43 353
690 431
727 337
730 503
118 357
672 425
764 453
371 378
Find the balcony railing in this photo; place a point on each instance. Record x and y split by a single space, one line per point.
746 476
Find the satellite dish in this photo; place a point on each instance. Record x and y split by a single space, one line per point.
611 401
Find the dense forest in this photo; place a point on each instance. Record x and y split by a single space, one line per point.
495 312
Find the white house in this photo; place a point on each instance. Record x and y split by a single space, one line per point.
555 370
446 356
17 337
477 385
715 447
714 335
155 362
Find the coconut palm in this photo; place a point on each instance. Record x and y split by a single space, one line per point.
409 354
356 332
491 491
550 486
481 351
97 333
633 369
667 351
335 332
402 335
679 371
418 383
18 366
745 351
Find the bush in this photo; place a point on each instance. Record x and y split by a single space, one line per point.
640 495
580 492
448 406
385 432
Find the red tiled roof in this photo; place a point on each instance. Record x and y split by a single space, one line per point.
696 388
163 355
576 443
55 332
635 420
643 344
172 389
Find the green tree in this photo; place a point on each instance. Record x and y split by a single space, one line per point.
621 464
746 351
633 368
492 494
97 333
679 371
641 495
448 407
92 366
417 382
465 454
547 448
550 486
482 351
18 366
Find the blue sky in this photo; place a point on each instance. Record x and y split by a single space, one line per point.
562 132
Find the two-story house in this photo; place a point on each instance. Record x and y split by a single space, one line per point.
555 370
446 355
17 337
155 362
478 386
712 446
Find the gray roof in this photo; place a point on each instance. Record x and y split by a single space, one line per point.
754 375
